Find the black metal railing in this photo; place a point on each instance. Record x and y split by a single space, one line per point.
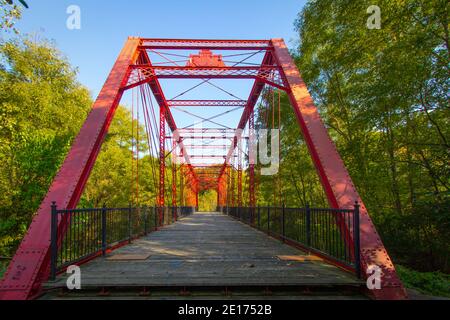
331 233
80 234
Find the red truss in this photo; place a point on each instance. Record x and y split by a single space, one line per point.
268 74
205 59
182 44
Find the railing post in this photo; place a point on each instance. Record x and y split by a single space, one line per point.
259 217
283 223
129 224
268 219
356 240
145 220
308 226
54 241
104 230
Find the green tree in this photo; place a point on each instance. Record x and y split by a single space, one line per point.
42 108
113 180
384 95
9 13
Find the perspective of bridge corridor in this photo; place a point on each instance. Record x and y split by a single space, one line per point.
147 237
208 254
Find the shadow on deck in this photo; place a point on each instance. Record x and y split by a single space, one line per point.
209 252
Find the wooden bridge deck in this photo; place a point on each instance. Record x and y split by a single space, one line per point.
207 250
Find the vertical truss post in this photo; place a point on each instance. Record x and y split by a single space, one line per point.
174 177
196 199
218 195
162 160
228 173
252 160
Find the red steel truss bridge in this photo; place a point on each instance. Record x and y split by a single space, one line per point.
206 155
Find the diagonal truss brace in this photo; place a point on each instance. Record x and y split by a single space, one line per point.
30 266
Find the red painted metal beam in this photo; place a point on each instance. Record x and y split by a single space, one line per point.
258 87
206 130
251 169
162 161
174 180
208 44
336 181
206 103
165 113
30 265
266 73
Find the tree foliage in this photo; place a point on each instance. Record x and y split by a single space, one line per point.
10 12
119 178
42 107
384 95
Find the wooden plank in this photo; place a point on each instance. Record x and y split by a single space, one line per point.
128 257
300 258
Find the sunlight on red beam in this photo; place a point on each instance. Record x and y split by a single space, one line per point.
206 103
206 130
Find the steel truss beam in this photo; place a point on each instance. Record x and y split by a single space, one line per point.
180 44
266 73
165 117
258 87
336 181
252 160
30 266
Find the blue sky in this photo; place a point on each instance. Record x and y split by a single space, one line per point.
105 25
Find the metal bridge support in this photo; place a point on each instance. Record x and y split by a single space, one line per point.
251 168
31 264
162 161
336 181
174 174
239 173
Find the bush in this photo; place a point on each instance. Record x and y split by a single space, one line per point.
432 283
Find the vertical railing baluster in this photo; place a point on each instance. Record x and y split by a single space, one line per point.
129 224
54 241
259 217
155 213
283 221
145 220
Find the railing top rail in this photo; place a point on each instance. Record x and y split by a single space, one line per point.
81 210
312 209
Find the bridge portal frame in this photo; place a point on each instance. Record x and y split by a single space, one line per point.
30 266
